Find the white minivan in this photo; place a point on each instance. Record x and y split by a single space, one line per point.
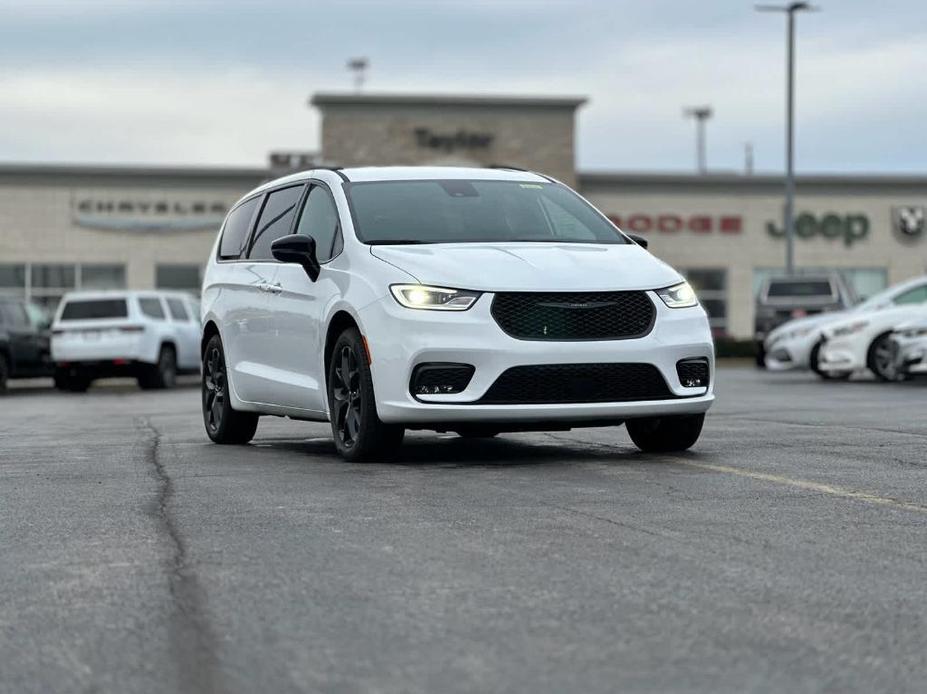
476 301
147 335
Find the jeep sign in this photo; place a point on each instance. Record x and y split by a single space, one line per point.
849 228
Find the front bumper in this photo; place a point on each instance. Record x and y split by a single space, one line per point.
399 339
790 353
841 355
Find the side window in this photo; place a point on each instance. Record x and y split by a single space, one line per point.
236 230
177 310
319 220
275 221
918 295
151 307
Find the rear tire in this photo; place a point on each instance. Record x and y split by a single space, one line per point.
161 375
71 380
4 373
665 434
813 362
881 359
359 433
223 424
760 349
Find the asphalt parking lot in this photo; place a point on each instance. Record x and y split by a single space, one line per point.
785 553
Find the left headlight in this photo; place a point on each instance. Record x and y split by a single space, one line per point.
433 298
678 296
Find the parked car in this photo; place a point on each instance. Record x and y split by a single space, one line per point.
147 335
863 340
909 344
797 343
782 299
24 348
452 299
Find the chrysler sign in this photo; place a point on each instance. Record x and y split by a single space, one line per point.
125 212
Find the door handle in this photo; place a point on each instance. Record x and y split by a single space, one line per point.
272 288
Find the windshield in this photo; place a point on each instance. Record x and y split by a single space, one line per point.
780 289
89 309
460 211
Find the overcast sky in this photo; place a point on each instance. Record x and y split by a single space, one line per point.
203 83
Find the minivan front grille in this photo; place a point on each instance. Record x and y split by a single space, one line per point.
577 383
574 315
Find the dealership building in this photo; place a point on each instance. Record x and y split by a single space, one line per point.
68 227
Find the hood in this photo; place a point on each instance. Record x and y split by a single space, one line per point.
531 266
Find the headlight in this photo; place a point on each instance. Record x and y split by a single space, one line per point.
433 298
800 332
678 296
850 329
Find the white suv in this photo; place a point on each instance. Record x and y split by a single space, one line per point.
468 300
148 335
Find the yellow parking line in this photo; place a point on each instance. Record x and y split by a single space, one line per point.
841 492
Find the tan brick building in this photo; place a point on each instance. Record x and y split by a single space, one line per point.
95 227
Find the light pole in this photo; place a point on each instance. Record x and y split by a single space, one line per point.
359 67
789 220
700 114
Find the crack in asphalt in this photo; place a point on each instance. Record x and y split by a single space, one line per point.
192 638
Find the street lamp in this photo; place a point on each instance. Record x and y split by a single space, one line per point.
790 11
700 114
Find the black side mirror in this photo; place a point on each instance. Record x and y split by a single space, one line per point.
297 248
639 240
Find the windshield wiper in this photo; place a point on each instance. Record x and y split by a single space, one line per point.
395 242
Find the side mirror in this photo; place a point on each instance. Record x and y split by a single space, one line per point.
639 240
300 249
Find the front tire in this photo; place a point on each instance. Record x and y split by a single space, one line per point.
881 359
223 424
4 373
665 434
358 432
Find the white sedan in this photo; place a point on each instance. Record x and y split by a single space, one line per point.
864 341
909 342
797 343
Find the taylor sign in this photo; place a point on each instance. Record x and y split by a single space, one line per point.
129 213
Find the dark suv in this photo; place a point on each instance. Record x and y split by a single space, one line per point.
783 298
24 341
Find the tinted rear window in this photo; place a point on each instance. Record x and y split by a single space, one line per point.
800 288
95 308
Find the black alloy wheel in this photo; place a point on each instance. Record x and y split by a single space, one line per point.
358 432
223 424
881 359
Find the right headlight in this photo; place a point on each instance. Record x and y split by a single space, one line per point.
420 296
678 296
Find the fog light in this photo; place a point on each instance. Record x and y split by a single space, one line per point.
438 378
693 373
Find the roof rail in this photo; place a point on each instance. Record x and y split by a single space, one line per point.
335 169
509 168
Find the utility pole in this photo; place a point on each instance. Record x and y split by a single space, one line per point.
359 67
748 158
700 114
789 220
